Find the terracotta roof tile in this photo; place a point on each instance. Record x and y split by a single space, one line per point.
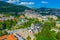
8 37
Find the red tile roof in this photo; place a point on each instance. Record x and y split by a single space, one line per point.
8 37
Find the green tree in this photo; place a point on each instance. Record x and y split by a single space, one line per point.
28 38
58 36
3 33
46 34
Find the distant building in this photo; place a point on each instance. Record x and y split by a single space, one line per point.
58 24
35 28
22 18
44 18
29 11
11 16
39 18
11 12
30 15
38 27
2 15
53 17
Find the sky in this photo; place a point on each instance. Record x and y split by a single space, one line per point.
36 3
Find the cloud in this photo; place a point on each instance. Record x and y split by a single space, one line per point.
20 3
12 1
44 2
26 3
9 1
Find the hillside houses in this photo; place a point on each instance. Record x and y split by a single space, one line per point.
30 14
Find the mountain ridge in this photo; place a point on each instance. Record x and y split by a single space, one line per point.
7 7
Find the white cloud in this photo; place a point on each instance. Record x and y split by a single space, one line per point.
12 1
44 2
20 3
9 1
27 3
